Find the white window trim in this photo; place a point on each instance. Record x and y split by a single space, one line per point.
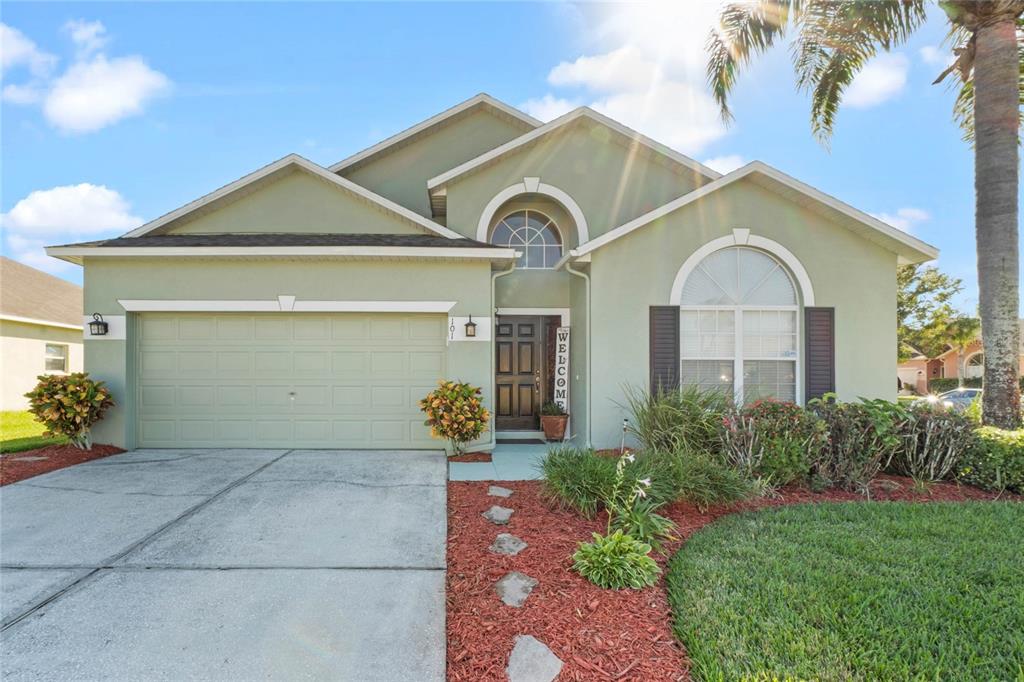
550 223
65 357
533 186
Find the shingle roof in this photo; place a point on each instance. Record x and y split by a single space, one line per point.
31 293
271 239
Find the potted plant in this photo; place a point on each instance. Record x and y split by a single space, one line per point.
553 420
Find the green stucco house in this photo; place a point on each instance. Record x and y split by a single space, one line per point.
303 306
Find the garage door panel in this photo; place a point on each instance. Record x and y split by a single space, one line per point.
277 380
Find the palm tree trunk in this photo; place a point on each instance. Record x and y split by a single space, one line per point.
961 369
995 186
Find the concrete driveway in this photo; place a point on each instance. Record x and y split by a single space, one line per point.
227 565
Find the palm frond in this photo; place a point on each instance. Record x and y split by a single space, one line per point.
963 107
744 31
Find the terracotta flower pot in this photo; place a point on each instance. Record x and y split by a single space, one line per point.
554 426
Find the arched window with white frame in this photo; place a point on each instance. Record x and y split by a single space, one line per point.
739 328
532 233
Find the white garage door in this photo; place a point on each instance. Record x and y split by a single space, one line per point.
303 380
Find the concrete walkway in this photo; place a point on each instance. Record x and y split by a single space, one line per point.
227 565
509 462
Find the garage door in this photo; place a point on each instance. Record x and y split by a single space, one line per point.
306 380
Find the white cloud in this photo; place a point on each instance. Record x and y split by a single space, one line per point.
29 93
96 93
905 219
725 164
69 211
880 80
623 69
32 252
88 36
645 68
936 56
547 107
16 49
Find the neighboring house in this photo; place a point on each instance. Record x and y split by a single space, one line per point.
303 306
919 370
40 329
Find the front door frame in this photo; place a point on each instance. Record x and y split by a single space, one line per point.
562 313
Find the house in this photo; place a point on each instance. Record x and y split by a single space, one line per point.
916 372
304 306
40 329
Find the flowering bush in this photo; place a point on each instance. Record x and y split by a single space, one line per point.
68 405
773 440
455 412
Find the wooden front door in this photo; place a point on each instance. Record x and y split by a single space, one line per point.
520 376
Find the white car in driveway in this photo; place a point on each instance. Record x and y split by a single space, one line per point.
959 399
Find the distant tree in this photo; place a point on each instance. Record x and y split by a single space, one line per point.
959 334
924 310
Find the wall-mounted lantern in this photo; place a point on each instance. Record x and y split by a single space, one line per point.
97 327
470 328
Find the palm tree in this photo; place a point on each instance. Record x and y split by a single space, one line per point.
833 41
959 333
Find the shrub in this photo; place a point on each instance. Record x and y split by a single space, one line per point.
616 561
578 479
773 440
455 412
932 441
862 439
703 480
643 523
68 405
995 461
685 418
943 385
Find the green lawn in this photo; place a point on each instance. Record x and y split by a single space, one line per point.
19 431
857 591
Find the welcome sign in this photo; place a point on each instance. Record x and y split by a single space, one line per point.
562 368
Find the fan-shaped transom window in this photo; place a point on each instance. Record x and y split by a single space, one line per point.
532 233
738 322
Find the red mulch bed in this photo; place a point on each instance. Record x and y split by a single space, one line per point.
599 634
471 457
17 466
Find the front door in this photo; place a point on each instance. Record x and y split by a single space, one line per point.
520 375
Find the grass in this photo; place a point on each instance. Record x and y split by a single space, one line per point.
19 431
856 591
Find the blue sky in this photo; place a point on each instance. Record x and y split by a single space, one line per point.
116 113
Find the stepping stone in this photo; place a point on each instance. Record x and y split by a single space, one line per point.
514 588
506 543
498 491
531 661
498 515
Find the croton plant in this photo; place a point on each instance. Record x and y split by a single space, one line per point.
455 412
68 405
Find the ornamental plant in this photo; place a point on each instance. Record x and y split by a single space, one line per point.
68 405
933 442
772 439
455 412
995 461
616 561
863 437
631 512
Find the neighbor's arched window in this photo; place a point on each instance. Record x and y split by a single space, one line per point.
738 326
532 233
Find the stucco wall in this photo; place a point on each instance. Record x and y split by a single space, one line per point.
107 280
611 182
22 357
847 272
298 202
402 173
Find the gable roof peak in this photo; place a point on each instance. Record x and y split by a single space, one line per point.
301 163
479 100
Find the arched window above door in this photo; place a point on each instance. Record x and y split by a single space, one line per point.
532 233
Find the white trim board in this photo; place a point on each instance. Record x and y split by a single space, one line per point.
574 115
564 313
75 253
310 167
482 99
45 323
535 186
283 304
921 250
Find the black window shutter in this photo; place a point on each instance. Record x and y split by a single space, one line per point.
820 332
664 334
